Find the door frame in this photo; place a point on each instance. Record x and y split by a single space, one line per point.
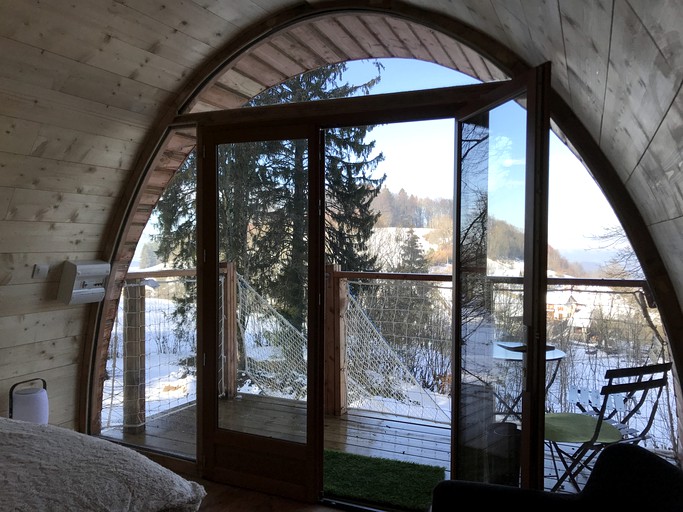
310 118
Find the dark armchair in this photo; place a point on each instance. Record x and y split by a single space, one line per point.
625 477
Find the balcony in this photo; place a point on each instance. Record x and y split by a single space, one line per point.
388 361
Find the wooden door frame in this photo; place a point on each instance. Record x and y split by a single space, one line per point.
280 121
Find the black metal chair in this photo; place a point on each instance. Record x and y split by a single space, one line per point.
622 412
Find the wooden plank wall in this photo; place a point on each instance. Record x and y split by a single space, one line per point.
84 86
80 86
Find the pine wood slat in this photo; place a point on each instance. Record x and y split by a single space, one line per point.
20 236
31 172
39 357
17 268
67 33
59 207
126 23
16 330
25 298
18 136
661 197
357 26
484 17
5 200
586 43
385 33
41 105
276 59
634 107
31 65
404 31
541 20
76 146
480 67
341 39
429 40
317 43
258 71
218 97
290 45
61 391
190 18
242 85
237 12
456 53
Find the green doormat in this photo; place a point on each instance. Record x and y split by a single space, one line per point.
390 483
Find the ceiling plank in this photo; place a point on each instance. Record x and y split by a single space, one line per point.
586 42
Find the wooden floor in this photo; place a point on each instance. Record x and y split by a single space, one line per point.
364 433
225 498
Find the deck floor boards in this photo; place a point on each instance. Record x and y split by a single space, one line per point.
359 432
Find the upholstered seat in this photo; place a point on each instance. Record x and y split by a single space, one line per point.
625 477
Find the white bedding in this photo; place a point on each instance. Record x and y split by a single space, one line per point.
44 468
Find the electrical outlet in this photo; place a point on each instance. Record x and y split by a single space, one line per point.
40 271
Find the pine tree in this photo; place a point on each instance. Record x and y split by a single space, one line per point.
263 200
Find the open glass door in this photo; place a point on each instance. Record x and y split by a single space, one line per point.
262 277
256 289
501 187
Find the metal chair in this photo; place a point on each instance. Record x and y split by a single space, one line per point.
622 412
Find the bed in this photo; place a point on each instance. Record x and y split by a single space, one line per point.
49 468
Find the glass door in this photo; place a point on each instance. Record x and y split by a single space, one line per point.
264 342
501 197
256 310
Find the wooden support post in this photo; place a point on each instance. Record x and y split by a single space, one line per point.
335 343
134 357
230 332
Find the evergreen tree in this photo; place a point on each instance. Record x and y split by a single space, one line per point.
263 200
412 259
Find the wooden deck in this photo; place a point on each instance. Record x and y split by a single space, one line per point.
360 432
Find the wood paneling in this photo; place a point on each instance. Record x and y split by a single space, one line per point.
586 42
32 358
28 205
17 268
35 327
37 173
641 87
20 237
657 181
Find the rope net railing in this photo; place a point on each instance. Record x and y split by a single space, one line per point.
398 343
377 380
394 335
274 352
152 351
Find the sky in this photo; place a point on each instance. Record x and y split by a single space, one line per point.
419 158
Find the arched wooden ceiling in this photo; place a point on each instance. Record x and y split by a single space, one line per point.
88 89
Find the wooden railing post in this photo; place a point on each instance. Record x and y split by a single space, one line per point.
230 331
134 357
335 342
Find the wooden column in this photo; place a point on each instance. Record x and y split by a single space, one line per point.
335 342
134 357
229 332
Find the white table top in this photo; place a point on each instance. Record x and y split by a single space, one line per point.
506 350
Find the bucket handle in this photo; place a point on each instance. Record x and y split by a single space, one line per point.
11 390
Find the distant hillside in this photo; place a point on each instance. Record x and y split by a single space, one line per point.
432 219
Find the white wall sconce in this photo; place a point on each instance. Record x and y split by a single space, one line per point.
29 403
